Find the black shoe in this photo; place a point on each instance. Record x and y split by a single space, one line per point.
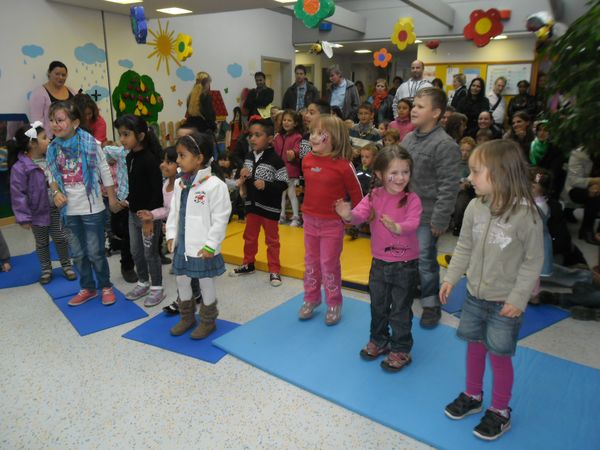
462 406
352 232
164 260
492 425
245 269
583 313
431 316
569 216
589 237
129 275
549 298
172 309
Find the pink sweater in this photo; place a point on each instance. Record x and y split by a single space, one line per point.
163 212
282 143
403 126
386 245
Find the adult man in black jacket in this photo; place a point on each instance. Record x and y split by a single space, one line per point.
260 97
300 94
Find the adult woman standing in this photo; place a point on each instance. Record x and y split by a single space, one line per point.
200 112
523 101
382 102
54 90
473 103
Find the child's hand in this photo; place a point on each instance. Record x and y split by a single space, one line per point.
389 223
6 267
259 184
244 172
124 204
445 290
170 246
27 225
290 155
510 311
204 254
115 207
60 200
437 232
343 209
145 215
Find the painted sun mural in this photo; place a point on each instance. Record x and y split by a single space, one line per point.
164 47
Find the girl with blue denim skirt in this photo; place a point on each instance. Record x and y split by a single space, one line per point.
501 250
76 164
196 228
145 193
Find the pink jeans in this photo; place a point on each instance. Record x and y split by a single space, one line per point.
323 241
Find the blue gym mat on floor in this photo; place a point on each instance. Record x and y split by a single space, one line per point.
93 316
156 332
25 270
60 286
555 402
536 317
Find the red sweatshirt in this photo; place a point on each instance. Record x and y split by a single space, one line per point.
327 180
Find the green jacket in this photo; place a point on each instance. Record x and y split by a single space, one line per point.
502 258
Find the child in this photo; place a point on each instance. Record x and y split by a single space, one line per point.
391 137
436 170
501 250
394 213
365 178
313 112
364 131
4 255
329 175
76 162
287 147
196 227
402 123
465 190
484 135
145 193
30 199
236 130
262 180
383 126
540 189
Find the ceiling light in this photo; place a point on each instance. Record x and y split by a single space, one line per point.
174 11
336 45
296 51
418 41
500 37
363 51
285 1
125 2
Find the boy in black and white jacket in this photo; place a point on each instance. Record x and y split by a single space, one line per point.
263 179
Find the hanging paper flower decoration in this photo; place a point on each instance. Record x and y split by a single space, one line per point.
404 33
138 24
483 26
183 46
313 12
382 57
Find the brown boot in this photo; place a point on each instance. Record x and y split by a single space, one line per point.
208 318
187 320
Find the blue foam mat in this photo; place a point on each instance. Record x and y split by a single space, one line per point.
25 270
555 402
60 286
93 316
536 317
156 332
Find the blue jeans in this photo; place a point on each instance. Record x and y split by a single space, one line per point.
86 239
147 259
429 269
480 321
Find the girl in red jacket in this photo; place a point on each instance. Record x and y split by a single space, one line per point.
329 175
287 146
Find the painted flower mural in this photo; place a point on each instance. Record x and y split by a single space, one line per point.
404 33
483 26
381 58
313 12
183 46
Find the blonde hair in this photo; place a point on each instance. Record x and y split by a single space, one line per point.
392 133
340 138
468 140
509 176
193 104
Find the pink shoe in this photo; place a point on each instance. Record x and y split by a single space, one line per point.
83 296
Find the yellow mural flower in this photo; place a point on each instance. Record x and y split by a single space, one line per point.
183 46
404 33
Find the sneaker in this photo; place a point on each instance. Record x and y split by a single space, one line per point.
371 351
129 275
172 309
138 291
155 297
283 220
275 279
245 269
46 277
492 425
396 361
431 316
69 273
83 296
462 406
108 296
164 260
334 314
295 222
307 310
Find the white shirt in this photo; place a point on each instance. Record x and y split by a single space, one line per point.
408 89
500 110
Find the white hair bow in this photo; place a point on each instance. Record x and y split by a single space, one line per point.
32 132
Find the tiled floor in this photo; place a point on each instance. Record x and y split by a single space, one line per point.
62 391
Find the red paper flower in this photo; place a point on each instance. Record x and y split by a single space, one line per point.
483 26
382 57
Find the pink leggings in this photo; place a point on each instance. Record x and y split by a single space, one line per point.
502 370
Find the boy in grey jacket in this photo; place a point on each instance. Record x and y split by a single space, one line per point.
435 176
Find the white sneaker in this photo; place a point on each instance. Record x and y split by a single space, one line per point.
282 220
295 222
